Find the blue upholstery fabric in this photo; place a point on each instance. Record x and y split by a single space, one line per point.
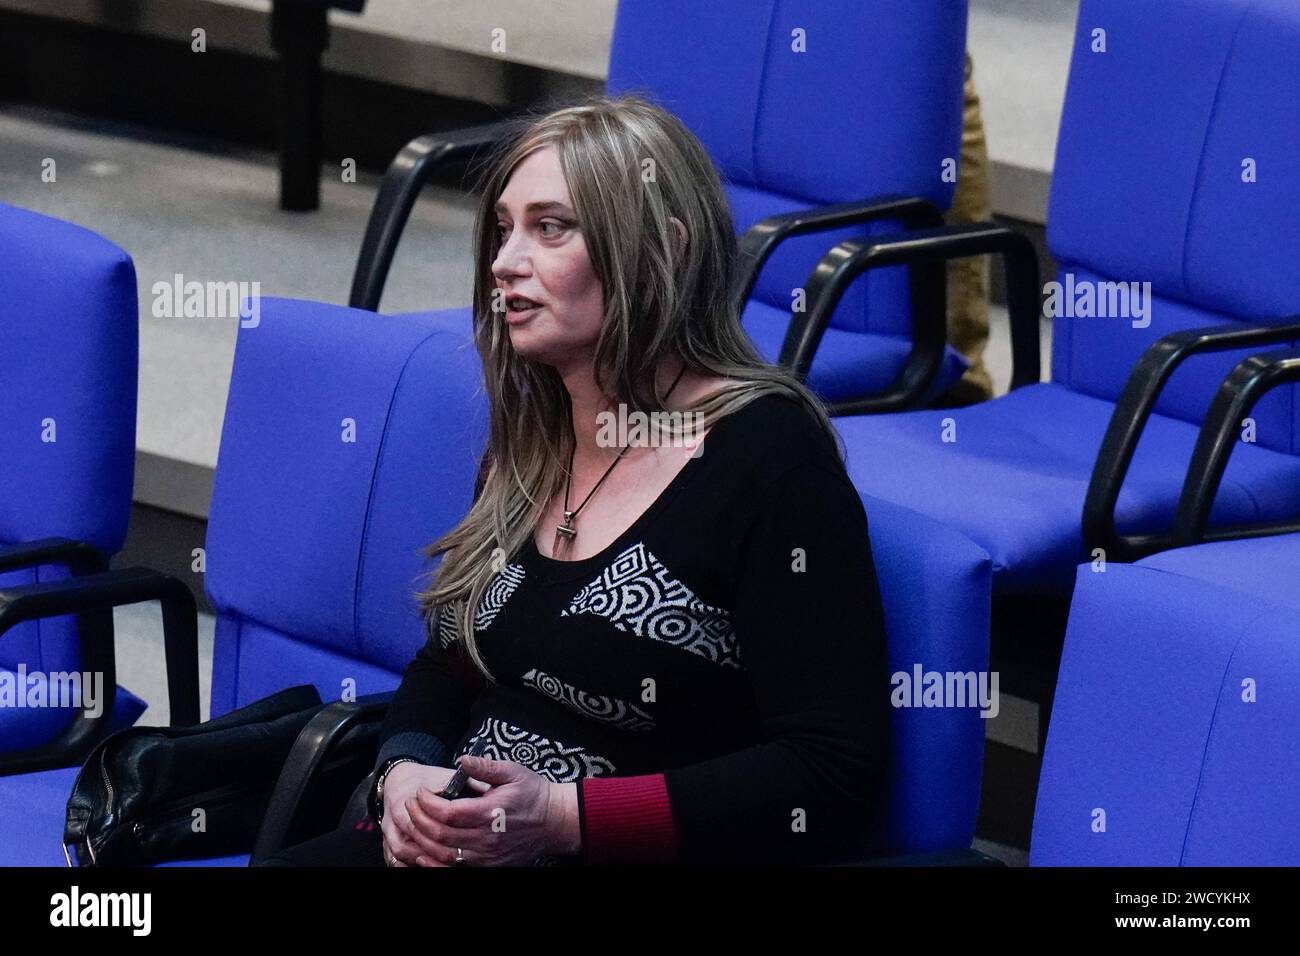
810 125
67 424
32 807
348 444
31 817
321 583
1150 193
1151 728
1268 567
809 128
934 585
1015 477
1155 192
1097 361
70 315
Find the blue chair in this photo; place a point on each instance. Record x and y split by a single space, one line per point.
1167 190
934 585
67 460
1207 629
348 444
846 139
1173 739
313 551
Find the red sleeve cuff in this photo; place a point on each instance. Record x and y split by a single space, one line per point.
626 820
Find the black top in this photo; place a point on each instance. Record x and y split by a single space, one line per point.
731 638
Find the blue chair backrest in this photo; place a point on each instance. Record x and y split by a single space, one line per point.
935 585
803 104
1173 732
348 445
69 334
1176 166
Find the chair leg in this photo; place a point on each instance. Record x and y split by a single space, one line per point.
299 34
1027 639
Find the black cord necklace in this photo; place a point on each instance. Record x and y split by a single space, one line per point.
565 532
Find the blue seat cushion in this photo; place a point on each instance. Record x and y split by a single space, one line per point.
32 807
1014 478
1156 755
1267 567
23 727
847 364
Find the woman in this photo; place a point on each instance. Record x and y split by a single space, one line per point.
675 651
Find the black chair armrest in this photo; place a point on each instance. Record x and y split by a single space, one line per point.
92 598
1245 385
77 556
926 252
413 166
322 733
762 238
1131 413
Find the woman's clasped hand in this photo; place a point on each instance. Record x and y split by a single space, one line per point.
509 816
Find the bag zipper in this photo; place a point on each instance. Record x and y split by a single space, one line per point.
108 784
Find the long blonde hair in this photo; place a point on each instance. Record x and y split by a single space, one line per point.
630 167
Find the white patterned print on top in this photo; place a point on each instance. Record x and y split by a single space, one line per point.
545 757
446 626
638 594
611 710
499 589
498 592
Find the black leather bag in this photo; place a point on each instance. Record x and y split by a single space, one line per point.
150 794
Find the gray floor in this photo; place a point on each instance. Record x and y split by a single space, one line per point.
1021 50
209 213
